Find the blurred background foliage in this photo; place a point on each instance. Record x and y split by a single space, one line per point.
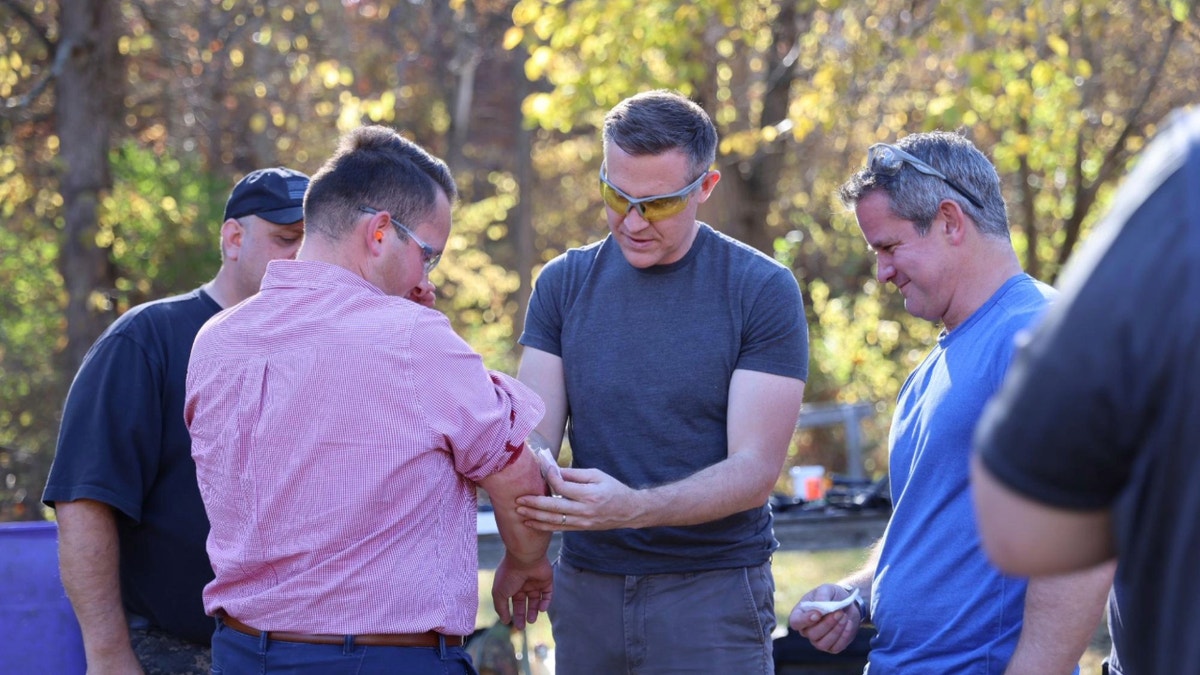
176 99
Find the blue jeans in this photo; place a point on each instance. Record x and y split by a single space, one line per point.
716 621
236 653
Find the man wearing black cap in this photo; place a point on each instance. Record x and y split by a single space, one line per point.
132 527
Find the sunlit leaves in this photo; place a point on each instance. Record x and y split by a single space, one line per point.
332 74
476 290
593 67
216 87
513 37
160 224
31 321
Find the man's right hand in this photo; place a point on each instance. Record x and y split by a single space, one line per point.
521 591
831 632
424 294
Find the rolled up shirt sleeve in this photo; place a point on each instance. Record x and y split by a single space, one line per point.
484 415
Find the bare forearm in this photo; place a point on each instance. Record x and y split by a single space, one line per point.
522 477
864 577
89 557
762 416
543 373
737 483
1061 614
523 544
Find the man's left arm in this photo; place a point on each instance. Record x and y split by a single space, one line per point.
762 413
1061 614
524 580
761 418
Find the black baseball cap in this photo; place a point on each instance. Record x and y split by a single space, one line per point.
275 195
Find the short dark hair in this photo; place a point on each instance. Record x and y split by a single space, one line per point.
375 166
915 196
654 122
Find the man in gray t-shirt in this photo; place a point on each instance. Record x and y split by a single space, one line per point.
678 356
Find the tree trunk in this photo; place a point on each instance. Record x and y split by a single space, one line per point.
461 89
524 235
750 184
86 95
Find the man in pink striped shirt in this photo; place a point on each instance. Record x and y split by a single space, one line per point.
339 431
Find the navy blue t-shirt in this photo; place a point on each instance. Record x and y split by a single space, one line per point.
648 355
123 442
1100 411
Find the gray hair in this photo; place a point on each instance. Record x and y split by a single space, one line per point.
915 196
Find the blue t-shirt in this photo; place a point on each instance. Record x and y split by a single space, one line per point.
123 443
938 603
648 355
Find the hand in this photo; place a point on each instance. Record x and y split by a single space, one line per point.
832 632
424 293
589 499
520 591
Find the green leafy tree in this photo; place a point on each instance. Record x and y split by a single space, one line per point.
209 91
169 103
1061 95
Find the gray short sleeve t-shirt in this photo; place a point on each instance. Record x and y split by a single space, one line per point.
648 355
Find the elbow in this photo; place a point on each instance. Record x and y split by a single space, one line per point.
762 496
757 495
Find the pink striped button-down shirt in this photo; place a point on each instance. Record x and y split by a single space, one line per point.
338 433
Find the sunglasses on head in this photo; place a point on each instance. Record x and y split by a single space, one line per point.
655 207
887 160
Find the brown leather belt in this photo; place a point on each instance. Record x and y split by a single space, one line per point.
427 639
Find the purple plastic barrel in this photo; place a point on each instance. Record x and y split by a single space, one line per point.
38 630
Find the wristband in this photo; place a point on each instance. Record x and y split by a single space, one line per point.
860 602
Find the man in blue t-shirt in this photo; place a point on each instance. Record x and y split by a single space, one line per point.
678 356
931 210
131 525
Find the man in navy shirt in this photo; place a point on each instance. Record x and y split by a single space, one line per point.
132 527
1090 449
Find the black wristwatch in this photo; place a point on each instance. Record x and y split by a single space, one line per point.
860 602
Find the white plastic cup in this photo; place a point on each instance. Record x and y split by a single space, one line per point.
808 482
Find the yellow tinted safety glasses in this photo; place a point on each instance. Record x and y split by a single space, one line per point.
656 207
